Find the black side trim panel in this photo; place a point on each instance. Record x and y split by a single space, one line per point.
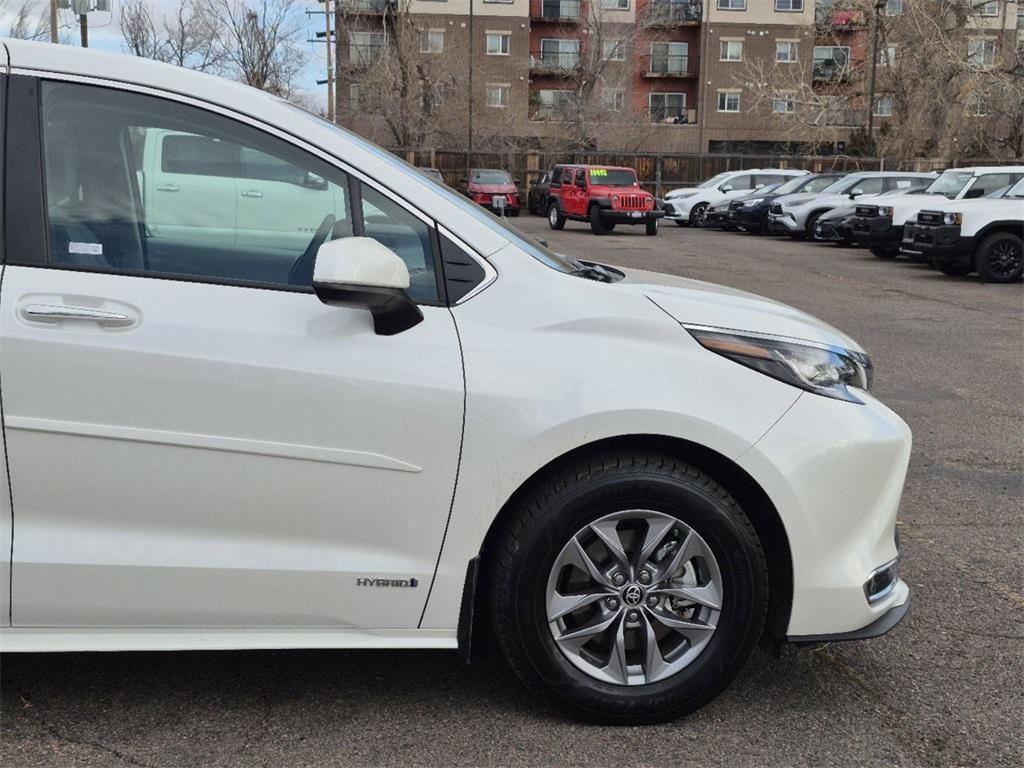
878 627
25 230
462 273
465 632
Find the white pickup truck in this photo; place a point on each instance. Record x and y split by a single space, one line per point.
963 236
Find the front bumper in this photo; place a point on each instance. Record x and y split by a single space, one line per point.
615 216
750 216
784 222
832 231
838 498
878 627
876 230
677 210
718 217
943 243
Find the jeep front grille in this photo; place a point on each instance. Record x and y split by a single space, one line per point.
635 202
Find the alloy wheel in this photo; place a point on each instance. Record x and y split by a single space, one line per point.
1005 258
634 597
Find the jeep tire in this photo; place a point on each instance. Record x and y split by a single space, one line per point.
556 220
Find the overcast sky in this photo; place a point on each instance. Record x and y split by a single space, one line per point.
105 35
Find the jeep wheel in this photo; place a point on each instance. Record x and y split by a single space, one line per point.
1000 258
597 226
884 252
697 214
555 218
627 587
652 227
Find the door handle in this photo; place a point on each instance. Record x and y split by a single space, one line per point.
252 193
167 188
52 313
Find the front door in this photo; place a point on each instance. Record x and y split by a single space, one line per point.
212 446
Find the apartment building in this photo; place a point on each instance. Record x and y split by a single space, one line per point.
666 75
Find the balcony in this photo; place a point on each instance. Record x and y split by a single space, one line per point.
669 115
554 62
672 13
830 71
556 11
368 7
666 65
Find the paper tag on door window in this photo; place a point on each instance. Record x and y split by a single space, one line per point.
86 249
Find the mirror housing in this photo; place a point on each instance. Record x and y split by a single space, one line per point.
727 188
361 273
854 193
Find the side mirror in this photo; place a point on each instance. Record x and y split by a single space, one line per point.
727 188
856 192
361 273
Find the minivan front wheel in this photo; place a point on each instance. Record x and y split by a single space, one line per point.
629 588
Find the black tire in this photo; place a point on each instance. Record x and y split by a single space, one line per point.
809 224
697 214
514 213
652 227
763 226
953 270
572 496
1000 258
555 218
681 223
884 252
597 226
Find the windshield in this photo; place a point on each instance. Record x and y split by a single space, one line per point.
712 181
522 241
820 184
1017 190
612 177
773 188
484 176
840 186
950 183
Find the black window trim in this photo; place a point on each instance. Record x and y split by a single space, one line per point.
24 88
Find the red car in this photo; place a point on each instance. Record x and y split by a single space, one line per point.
488 186
601 194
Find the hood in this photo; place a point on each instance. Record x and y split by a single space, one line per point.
695 302
602 189
684 192
1010 207
493 189
796 198
904 206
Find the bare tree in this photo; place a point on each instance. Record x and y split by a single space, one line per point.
29 21
187 38
258 39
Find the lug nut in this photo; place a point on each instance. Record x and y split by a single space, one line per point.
619 579
633 616
645 577
612 603
652 601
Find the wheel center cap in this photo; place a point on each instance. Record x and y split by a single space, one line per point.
632 595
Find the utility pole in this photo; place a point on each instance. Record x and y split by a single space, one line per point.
329 40
469 153
83 24
54 37
879 5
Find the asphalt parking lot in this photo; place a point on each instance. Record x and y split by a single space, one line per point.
946 688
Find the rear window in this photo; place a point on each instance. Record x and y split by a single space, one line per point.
491 177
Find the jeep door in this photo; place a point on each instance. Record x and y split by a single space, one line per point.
209 447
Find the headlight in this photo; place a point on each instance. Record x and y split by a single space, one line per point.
615 199
819 368
885 210
953 218
755 201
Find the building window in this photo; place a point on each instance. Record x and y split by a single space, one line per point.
785 51
353 95
555 105
507 2
981 52
987 7
728 101
783 104
830 61
498 43
669 58
432 41
613 50
667 107
559 53
887 56
883 106
613 100
731 50
893 7
364 47
976 105
786 6
732 5
615 5
497 95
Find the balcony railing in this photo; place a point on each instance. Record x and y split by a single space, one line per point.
830 71
565 11
664 13
667 65
671 116
554 61
367 6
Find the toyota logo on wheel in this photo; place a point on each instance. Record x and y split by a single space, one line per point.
632 595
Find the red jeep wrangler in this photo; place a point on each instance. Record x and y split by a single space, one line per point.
601 194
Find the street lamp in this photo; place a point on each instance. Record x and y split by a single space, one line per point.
879 5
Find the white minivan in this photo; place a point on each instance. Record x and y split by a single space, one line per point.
267 386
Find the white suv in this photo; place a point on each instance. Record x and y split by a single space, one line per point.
399 417
688 205
797 214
